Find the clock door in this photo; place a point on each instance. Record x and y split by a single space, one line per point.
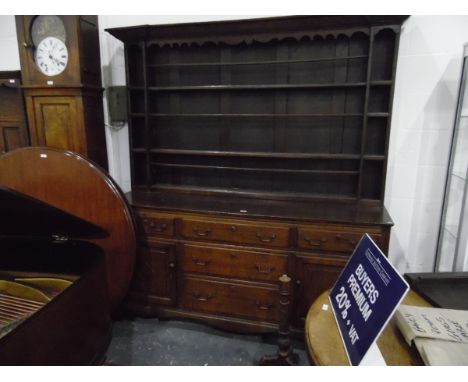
57 123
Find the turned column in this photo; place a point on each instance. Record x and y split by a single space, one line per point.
285 355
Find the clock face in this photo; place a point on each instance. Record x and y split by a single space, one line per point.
51 56
46 26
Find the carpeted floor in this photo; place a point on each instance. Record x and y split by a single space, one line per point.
162 343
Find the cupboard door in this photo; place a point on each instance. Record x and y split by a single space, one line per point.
13 135
154 280
57 122
314 275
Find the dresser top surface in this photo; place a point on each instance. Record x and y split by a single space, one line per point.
240 206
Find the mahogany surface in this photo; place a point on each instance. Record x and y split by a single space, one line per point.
67 181
75 327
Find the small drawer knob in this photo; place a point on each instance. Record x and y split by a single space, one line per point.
266 238
201 232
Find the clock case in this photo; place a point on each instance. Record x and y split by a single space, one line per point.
82 42
66 111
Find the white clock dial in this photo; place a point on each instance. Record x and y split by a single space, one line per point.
51 56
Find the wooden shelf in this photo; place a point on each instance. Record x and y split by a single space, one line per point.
266 62
374 157
252 106
378 115
381 83
258 87
256 169
253 154
249 193
259 115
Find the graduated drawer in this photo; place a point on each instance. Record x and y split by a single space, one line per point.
268 235
334 239
235 263
229 298
154 224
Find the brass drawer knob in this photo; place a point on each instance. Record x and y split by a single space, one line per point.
352 242
264 268
201 232
265 238
202 263
171 265
263 306
153 226
203 297
315 243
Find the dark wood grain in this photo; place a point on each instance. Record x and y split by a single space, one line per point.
13 121
205 294
292 88
67 181
257 147
75 327
66 111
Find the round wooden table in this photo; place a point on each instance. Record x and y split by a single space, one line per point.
326 348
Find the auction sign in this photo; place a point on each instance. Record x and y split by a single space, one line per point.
364 298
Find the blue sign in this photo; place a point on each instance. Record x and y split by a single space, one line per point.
364 298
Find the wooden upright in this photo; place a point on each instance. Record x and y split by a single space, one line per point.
65 110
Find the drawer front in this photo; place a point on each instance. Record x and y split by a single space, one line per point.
333 240
156 225
207 295
236 232
235 263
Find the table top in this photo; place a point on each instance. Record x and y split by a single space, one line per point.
326 347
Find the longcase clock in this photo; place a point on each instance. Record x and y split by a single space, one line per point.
61 72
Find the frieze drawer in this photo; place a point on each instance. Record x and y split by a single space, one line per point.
333 240
235 263
155 225
263 235
229 298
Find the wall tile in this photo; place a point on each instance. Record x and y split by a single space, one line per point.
435 148
403 182
436 34
422 249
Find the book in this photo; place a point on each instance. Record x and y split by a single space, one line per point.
443 324
441 352
440 335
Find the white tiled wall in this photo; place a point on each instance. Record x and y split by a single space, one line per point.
9 59
428 72
424 106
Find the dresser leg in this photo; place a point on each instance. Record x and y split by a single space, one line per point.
285 355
